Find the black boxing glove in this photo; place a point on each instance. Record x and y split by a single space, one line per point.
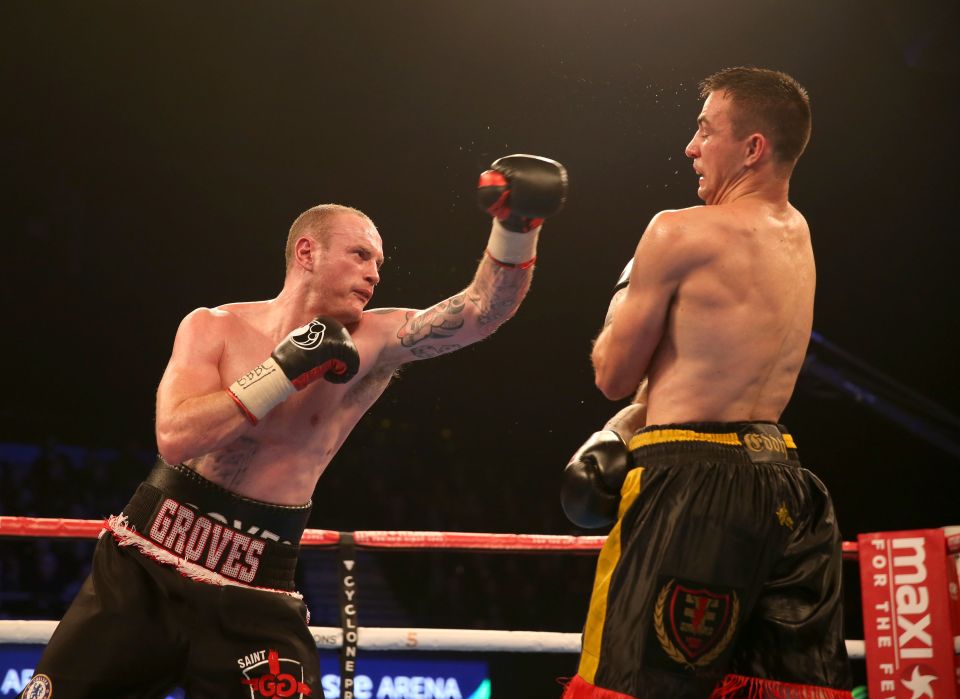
590 493
519 191
320 349
522 190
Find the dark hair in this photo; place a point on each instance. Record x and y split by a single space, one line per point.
315 222
767 101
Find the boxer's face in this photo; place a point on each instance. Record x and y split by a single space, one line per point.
717 154
348 266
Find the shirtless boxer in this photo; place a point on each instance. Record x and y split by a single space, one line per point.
193 583
722 571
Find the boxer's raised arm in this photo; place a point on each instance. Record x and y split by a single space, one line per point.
519 192
470 316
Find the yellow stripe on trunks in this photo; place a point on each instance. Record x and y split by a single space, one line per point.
645 439
606 565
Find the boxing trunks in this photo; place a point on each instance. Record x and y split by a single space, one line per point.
721 576
192 586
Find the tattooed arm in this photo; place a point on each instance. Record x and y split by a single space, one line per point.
470 316
519 192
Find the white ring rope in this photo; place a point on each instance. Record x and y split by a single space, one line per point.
373 638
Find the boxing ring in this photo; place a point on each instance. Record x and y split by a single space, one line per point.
939 629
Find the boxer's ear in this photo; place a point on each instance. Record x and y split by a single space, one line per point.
756 147
305 252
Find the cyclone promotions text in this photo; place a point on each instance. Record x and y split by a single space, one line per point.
199 539
348 620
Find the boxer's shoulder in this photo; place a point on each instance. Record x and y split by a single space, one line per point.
243 311
226 313
720 230
675 226
691 220
203 320
684 236
229 321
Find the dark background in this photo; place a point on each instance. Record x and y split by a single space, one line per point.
153 155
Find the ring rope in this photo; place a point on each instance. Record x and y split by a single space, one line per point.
406 639
373 638
385 540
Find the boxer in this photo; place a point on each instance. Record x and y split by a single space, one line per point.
193 583
721 573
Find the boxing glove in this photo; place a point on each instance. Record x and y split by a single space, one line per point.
320 349
590 492
522 190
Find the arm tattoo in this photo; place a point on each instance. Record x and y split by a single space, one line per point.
231 462
497 291
441 321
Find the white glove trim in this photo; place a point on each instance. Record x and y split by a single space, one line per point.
262 388
511 247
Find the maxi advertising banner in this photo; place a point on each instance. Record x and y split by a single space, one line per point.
378 676
906 615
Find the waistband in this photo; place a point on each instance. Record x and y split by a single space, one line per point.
757 442
264 519
182 519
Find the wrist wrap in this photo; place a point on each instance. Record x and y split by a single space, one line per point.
510 248
261 389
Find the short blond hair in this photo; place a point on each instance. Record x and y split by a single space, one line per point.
315 222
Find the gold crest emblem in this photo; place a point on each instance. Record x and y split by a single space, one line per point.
694 625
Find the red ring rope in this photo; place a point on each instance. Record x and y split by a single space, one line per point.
388 540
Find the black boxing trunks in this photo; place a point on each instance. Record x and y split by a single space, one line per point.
191 586
721 576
